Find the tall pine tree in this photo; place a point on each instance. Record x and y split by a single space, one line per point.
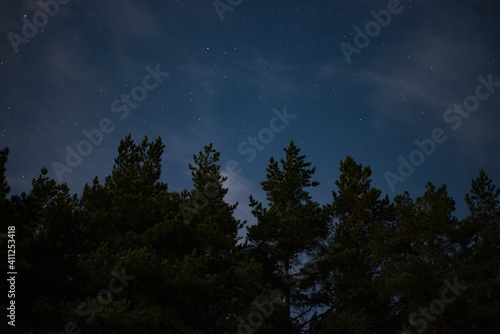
288 230
360 218
479 259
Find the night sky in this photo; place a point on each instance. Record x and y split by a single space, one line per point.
362 78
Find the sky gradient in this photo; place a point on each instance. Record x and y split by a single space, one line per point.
360 78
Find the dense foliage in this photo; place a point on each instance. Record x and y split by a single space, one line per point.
131 256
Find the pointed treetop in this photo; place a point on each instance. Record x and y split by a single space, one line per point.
483 196
289 181
137 164
353 177
206 170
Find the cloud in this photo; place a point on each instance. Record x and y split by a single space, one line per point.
239 190
411 83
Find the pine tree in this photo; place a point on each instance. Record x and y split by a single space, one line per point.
479 259
359 232
48 234
213 218
288 230
118 216
219 293
423 246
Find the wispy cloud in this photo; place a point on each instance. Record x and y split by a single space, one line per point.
427 72
239 189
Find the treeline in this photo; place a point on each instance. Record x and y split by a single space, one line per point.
131 256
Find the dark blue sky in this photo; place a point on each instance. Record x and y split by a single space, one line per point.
88 64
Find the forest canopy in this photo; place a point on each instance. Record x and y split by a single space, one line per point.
129 255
